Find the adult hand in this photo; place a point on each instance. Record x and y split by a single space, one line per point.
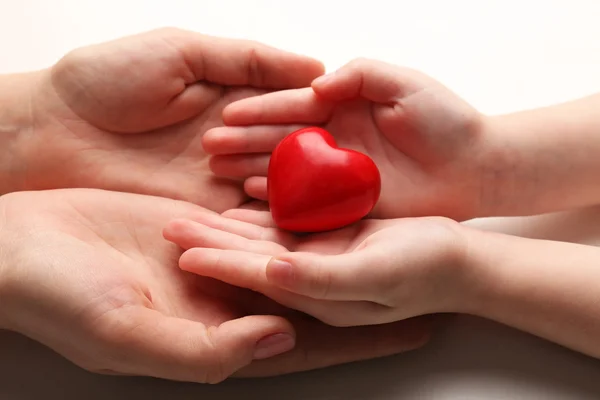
373 272
129 115
88 273
427 142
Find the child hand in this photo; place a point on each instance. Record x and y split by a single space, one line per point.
426 141
373 272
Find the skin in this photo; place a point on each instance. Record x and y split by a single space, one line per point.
437 154
378 271
88 273
245 248
420 135
139 104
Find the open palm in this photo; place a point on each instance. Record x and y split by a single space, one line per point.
420 135
372 272
129 115
95 280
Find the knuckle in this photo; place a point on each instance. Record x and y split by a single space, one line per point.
384 284
320 281
254 72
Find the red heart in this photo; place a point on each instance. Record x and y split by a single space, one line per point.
314 186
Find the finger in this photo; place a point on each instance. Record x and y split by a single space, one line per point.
256 187
153 344
319 345
334 313
349 276
241 62
196 96
242 139
240 165
247 270
189 234
260 218
215 221
263 219
236 267
240 228
255 205
373 80
299 106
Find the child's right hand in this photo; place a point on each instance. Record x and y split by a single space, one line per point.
373 272
427 142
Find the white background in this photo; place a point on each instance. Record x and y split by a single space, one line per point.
499 55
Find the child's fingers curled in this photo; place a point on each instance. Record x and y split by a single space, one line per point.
256 187
240 165
245 139
297 106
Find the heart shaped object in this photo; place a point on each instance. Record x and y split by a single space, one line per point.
314 186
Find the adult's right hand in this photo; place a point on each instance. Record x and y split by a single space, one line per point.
88 273
129 114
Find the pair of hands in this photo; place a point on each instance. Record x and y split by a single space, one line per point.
87 271
434 157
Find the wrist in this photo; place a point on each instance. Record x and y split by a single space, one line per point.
451 279
16 126
487 280
499 169
463 279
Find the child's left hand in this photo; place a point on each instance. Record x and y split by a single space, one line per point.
373 272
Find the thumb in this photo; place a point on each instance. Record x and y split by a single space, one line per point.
373 80
180 349
192 101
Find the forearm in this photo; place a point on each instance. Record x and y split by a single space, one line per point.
550 158
550 289
15 125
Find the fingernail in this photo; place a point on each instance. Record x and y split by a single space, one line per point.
273 345
280 271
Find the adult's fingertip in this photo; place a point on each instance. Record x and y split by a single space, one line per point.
274 345
319 82
335 86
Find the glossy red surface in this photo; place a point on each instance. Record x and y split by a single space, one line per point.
314 186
